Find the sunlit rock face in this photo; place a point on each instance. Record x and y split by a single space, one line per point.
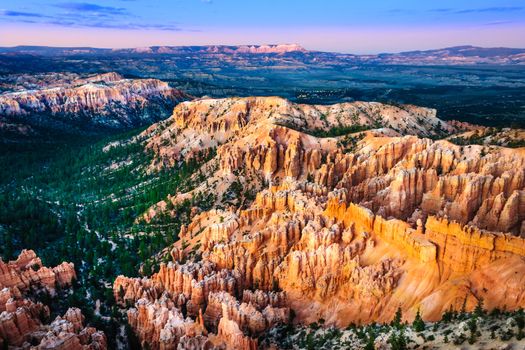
347 228
95 104
25 323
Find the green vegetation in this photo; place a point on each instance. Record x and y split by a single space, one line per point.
339 130
474 139
397 340
489 138
349 142
519 319
396 322
26 222
83 203
418 324
455 327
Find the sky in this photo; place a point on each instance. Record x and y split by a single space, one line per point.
365 26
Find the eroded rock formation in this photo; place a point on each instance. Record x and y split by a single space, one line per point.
346 228
92 104
25 324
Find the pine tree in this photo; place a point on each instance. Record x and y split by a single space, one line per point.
370 343
418 324
142 250
473 327
462 313
448 315
479 311
519 318
396 322
121 292
146 268
398 341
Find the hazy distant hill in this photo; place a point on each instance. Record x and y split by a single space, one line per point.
451 55
457 55
212 49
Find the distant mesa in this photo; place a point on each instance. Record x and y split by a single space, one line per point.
270 48
244 49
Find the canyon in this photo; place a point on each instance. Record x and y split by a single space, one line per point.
265 219
228 175
345 213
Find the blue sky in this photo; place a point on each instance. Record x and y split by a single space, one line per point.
335 25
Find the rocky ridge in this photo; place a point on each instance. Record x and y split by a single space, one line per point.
356 214
24 322
95 103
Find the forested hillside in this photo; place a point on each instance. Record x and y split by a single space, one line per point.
82 202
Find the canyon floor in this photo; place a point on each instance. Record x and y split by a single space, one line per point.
240 223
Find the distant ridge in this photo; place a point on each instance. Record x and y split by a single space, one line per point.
469 50
456 55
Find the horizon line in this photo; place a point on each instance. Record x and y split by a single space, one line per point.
257 45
